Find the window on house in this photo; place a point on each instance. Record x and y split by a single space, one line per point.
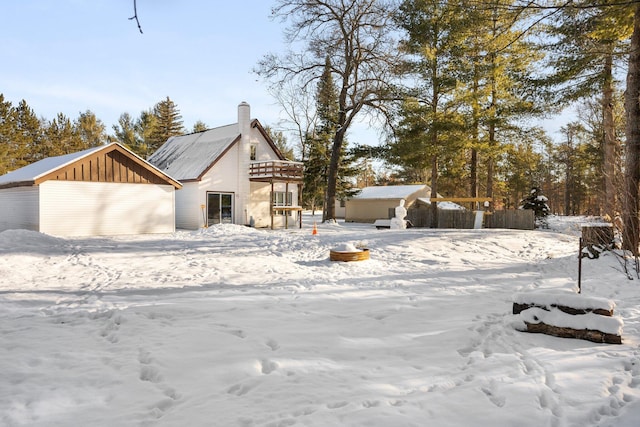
254 152
281 198
343 203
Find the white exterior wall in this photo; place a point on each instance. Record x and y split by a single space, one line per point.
71 208
188 206
260 205
19 208
231 175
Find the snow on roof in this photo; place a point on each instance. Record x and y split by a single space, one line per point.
188 156
389 192
36 170
447 206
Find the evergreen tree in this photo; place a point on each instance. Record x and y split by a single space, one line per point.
434 34
61 137
7 136
199 126
523 164
315 173
503 85
125 134
631 211
589 42
168 123
29 138
146 128
320 144
280 140
538 203
90 129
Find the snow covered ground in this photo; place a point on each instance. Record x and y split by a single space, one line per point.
233 326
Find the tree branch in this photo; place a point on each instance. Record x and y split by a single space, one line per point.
135 16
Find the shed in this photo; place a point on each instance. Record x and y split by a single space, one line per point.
375 202
105 190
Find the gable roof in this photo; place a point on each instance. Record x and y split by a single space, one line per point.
48 168
189 157
390 191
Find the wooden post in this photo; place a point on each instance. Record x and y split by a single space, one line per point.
580 267
286 199
271 204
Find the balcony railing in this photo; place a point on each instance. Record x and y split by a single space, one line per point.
277 170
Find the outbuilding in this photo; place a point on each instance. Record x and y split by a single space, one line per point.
105 190
373 203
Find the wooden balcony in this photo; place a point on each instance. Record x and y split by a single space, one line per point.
276 171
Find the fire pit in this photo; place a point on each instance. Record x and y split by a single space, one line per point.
348 252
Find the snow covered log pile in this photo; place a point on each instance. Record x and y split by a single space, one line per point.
568 315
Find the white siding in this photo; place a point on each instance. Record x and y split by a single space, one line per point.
188 206
19 208
223 177
260 203
70 208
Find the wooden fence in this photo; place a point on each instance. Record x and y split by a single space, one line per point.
521 219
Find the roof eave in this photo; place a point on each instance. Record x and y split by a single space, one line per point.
30 183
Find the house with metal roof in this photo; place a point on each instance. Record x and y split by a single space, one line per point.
232 174
104 190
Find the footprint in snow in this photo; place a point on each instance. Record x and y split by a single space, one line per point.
272 344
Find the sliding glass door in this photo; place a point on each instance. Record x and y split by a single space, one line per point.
219 208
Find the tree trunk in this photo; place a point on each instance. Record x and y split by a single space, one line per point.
632 129
609 154
332 179
475 136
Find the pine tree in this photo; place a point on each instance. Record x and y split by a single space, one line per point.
523 164
199 126
61 137
590 40
502 70
7 135
168 124
125 134
29 136
146 128
319 142
434 36
280 140
90 129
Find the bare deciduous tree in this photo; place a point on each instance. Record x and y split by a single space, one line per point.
356 35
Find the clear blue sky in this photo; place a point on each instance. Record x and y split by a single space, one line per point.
72 55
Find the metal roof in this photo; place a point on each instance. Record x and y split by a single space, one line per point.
30 173
390 191
187 157
36 170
